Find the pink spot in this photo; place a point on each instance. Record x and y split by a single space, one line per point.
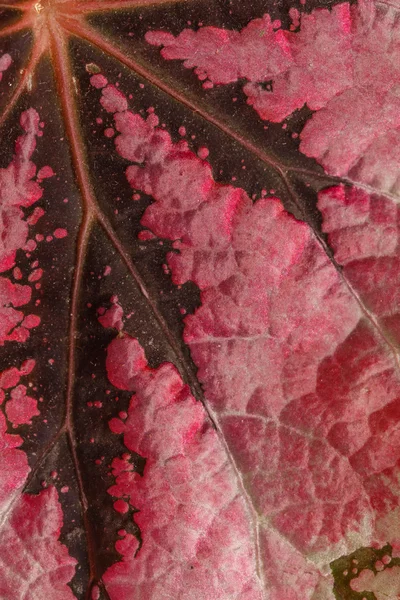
45 173
113 100
203 153
121 506
60 233
95 592
5 62
35 275
98 81
30 245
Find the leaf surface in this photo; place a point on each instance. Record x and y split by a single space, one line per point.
200 322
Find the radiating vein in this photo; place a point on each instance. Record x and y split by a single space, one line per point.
63 78
24 23
93 7
80 29
36 54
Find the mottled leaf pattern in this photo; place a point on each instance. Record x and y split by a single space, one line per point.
199 313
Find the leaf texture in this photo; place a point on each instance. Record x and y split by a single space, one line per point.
199 313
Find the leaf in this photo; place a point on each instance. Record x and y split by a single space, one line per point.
199 383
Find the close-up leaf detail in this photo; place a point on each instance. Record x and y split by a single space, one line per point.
199 300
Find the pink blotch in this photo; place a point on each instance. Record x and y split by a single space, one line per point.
112 317
31 321
21 408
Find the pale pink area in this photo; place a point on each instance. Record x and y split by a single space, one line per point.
343 63
302 386
146 235
384 584
223 56
35 275
21 408
308 67
10 377
198 540
33 563
364 234
18 189
34 217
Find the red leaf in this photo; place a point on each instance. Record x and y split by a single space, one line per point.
234 433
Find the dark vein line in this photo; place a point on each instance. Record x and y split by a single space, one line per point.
62 74
92 212
186 371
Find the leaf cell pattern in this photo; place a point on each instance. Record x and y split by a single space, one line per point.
200 347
